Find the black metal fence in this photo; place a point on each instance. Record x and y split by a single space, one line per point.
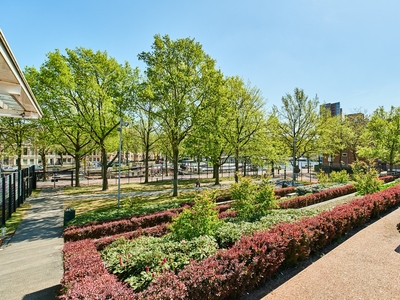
14 189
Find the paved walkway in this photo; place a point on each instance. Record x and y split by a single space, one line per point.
31 262
366 266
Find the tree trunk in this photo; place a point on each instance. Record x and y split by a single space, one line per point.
175 153
19 161
272 169
198 165
236 165
104 167
44 163
216 173
77 169
146 166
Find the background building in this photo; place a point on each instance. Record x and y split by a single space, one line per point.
334 108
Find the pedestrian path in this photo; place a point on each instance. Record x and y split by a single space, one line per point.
366 266
31 261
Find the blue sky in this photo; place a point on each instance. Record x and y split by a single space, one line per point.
343 51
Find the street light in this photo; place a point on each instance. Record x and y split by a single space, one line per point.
121 123
294 161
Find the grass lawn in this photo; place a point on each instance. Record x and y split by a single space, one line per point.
105 208
138 187
96 209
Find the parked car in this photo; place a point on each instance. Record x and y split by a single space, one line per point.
9 169
37 167
186 163
284 183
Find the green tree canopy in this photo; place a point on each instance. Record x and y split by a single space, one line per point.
382 137
300 125
244 120
182 77
86 92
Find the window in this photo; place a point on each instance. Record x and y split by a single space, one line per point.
25 151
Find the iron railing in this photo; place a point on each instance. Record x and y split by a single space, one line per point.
15 188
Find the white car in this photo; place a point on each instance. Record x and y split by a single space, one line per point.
9 169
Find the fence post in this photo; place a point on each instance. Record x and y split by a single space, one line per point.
12 191
29 178
22 188
20 199
10 211
3 202
34 179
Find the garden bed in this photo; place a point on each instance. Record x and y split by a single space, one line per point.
228 273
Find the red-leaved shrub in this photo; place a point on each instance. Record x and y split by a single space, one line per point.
324 195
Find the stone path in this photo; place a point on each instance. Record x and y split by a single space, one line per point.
31 261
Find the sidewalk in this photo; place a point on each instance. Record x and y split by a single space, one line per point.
31 262
366 266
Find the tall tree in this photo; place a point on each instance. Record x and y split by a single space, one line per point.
273 150
146 128
15 133
58 125
207 139
182 77
244 119
300 125
354 126
44 143
382 137
91 90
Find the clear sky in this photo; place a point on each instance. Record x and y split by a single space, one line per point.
344 51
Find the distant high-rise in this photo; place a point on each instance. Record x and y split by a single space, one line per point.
334 108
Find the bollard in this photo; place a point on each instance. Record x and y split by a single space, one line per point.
3 231
69 214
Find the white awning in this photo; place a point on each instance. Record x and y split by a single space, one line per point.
16 97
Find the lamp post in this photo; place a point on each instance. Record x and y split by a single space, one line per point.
121 123
294 161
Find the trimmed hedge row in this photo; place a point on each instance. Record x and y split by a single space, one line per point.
86 277
388 178
256 258
284 191
229 273
279 193
322 196
97 230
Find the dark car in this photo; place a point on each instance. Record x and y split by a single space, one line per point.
186 163
285 183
